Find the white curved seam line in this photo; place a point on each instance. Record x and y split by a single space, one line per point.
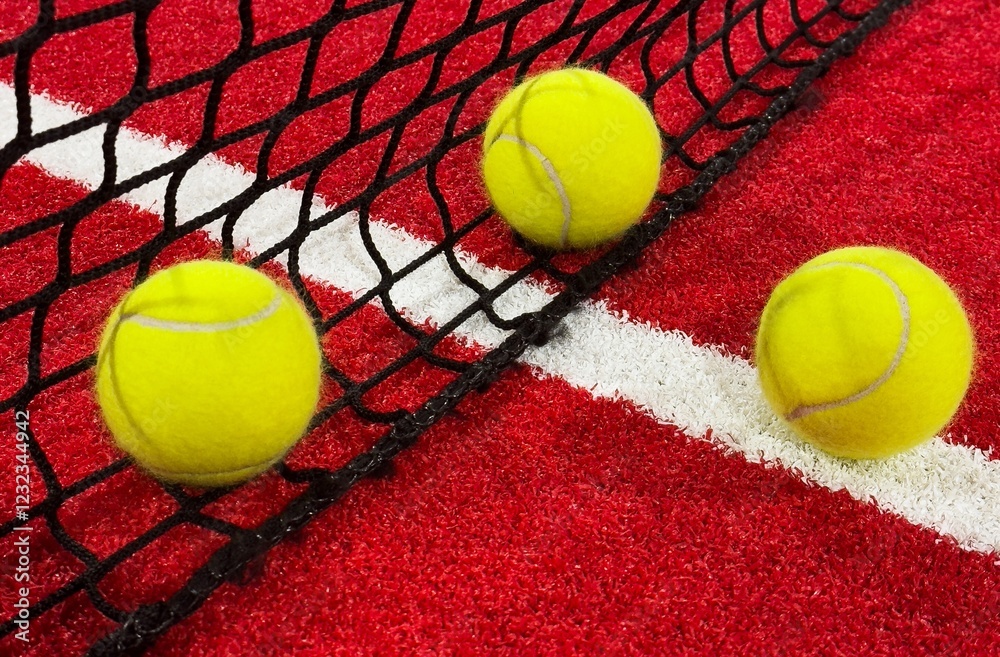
550 171
904 338
205 327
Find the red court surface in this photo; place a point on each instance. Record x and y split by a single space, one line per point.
645 508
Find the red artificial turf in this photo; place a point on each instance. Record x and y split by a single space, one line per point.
536 519
593 528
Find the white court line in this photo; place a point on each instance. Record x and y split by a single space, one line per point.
952 489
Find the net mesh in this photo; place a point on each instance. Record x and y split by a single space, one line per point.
401 98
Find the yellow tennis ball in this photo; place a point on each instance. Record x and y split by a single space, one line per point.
208 373
865 352
571 158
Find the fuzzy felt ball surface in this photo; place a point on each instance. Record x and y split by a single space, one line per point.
865 351
208 373
571 158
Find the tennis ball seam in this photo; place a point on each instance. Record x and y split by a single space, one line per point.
554 178
204 327
904 339
184 327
